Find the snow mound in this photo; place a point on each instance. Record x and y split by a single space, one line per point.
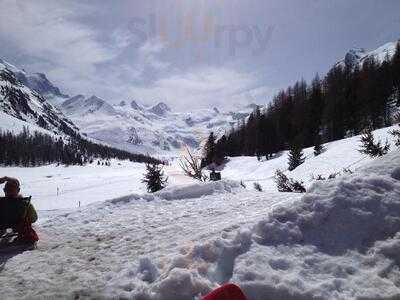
188 191
197 190
366 208
340 241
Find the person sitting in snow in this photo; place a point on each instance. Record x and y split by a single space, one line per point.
17 212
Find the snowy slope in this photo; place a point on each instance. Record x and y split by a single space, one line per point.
157 129
14 125
339 241
359 55
21 102
337 156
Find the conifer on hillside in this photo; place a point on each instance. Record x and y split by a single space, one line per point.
209 151
341 104
318 147
296 156
154 178
370 147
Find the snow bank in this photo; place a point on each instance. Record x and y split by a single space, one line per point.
189 191
340 241
197 190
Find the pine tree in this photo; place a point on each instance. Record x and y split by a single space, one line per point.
220 150
296 157
209 151
318 147
396 73
396 132
154 178
370 147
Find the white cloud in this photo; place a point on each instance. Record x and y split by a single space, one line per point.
79 57
204 87
148 55
47 31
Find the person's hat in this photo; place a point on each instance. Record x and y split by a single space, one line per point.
12 183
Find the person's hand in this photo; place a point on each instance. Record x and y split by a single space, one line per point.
3 179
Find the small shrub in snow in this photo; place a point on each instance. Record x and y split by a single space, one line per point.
257 186
396 132
288 185
319 177
347 171
298 186
242 184
154 178
318 148
370 147
333 175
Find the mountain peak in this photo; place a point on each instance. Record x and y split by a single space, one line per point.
41 75
354 56
95 98
357 56
160 109
135 106
40 83
80 105
252 106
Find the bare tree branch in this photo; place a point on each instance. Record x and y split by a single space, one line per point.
191 166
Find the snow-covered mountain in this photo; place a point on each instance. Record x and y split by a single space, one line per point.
359 55
155 129
128 125
39 83
19 101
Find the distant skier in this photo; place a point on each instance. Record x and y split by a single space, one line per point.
17 212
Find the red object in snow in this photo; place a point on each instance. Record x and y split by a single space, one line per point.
26 233
226 292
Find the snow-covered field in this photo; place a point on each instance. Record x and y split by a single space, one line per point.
59 187
339 241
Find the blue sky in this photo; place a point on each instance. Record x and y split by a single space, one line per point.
189 53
